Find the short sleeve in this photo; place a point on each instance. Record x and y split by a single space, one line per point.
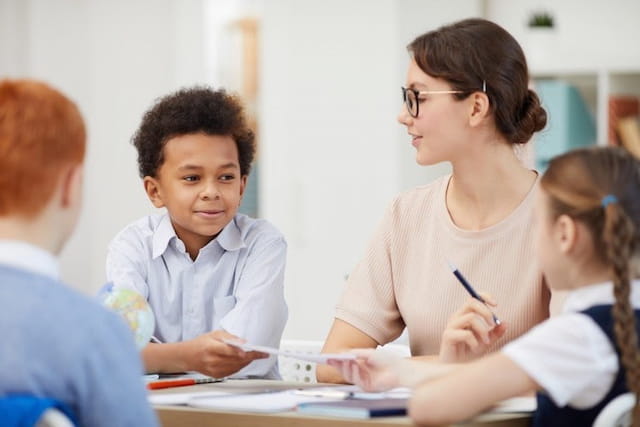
570 357
125 264
368 301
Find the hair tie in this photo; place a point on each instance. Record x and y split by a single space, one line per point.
608 199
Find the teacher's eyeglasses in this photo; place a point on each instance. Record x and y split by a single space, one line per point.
410 96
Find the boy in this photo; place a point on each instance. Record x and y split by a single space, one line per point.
56 343
207 271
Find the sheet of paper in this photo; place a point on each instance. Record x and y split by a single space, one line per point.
396 393
181 398
516 404
281 401
309 357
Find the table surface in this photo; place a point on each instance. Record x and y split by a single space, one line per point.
181 416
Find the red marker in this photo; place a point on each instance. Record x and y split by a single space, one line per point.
155 385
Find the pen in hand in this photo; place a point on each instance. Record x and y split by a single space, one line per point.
469 289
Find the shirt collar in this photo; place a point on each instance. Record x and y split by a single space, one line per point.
162 236
25 256
598 294
230 238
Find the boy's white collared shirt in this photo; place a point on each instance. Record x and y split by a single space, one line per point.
236 282
569 355
25 256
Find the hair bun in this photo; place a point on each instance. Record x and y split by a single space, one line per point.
533 117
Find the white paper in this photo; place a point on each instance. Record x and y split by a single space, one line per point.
281 401
516 404
309 357
181 398
396 393
269 401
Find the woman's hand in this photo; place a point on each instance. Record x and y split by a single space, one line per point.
470 332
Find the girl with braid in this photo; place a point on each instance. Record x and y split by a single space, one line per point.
587 220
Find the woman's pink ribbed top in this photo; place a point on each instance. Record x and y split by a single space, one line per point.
404 278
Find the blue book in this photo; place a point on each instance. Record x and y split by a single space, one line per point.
356 408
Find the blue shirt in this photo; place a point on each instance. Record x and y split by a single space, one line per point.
59 344
236 282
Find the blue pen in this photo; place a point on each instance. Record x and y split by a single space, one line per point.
469 289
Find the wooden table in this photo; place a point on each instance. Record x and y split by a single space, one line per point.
184 416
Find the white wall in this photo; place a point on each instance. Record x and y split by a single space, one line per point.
332 153
113 58
328 156
589 33
13 37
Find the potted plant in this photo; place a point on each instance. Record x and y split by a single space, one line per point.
541 20
540 38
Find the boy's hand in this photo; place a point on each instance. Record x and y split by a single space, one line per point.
470 332
207 354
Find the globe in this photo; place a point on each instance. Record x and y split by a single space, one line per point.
133 308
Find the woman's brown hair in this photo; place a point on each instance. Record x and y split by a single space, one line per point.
600 187
475 55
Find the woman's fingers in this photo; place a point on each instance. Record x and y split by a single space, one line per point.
453 338
472 322
497 332
488 299
477 307
470 331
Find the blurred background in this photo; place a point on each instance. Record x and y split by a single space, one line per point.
321 82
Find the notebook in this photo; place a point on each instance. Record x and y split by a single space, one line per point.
356 408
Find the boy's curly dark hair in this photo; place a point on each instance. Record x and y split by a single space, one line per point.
192 110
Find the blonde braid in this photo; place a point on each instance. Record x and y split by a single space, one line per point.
619 238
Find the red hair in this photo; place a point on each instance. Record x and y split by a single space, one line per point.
41 133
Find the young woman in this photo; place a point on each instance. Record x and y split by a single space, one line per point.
466 101
588 234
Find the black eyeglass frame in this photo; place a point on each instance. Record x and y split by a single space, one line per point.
417 93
